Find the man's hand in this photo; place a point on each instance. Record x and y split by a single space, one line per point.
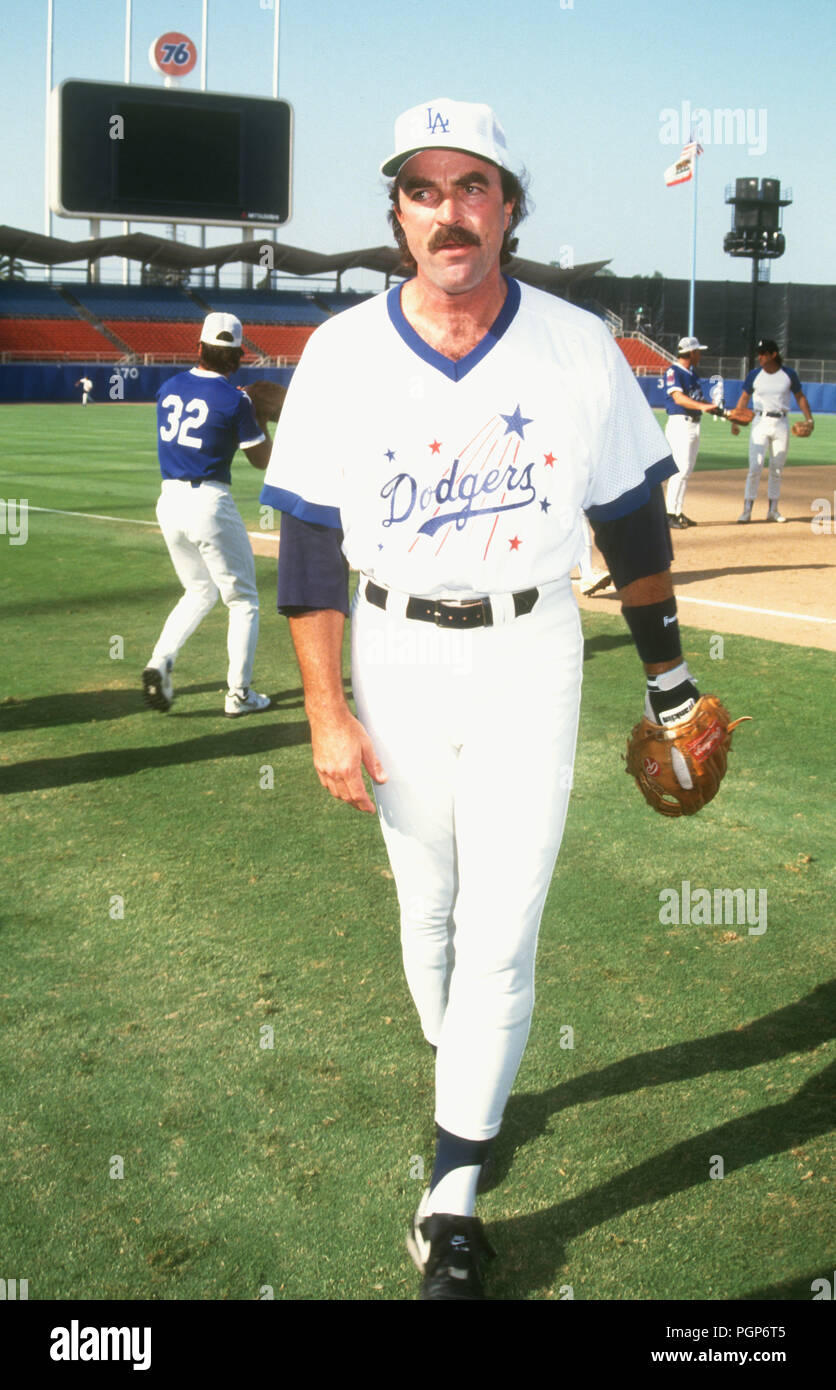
341 749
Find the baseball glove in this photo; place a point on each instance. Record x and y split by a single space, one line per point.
679 769
802 428
739 415
267 398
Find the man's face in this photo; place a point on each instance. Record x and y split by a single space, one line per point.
766 359
453 216
694 358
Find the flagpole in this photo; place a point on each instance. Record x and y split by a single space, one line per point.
693 242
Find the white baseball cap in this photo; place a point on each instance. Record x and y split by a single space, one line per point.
448 125
690 345
221 330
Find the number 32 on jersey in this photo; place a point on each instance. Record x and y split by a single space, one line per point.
183 425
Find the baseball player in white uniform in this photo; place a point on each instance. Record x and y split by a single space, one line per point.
86 389
685 404
769 386
454 472
201 421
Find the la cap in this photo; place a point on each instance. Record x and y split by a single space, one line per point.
690 345
448 125
221 330
768 345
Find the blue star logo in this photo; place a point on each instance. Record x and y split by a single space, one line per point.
389 454
514 424
544 505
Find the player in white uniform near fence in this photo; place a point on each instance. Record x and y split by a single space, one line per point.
769 386
201 421
686 403
453 469
86 389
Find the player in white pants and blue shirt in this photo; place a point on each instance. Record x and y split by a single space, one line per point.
201 421
769 386
686 404
453 471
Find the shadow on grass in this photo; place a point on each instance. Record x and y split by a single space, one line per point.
256 734
605 642
99 706
535 1246
536 1243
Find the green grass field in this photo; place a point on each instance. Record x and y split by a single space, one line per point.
202 987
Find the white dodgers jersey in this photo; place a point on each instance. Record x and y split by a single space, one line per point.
454 478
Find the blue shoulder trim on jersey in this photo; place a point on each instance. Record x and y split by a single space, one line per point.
637 496
749 384
454 370
795 382
295 505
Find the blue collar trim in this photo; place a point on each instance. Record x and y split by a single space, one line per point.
454 370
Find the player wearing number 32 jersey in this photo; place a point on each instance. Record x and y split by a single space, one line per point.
201 421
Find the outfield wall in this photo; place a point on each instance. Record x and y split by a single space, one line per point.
28 381
821 395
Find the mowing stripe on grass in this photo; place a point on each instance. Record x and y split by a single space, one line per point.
129 520
681 598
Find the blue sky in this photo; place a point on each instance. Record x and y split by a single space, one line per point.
582 88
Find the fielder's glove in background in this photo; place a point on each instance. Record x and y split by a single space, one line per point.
802 428
739 415
267 398
679 769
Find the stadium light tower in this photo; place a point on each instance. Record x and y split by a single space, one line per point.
756 233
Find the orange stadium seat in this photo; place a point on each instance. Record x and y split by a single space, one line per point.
164 338
639 355
278 340
52 335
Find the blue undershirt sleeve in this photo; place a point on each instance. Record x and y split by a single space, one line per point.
637 544
313 572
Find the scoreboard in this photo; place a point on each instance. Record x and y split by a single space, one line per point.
156 154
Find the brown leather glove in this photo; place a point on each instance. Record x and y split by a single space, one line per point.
679 769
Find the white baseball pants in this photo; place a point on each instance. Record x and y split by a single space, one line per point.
211 552
683 435
476 731
768 438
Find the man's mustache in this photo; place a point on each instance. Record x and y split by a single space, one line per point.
452 236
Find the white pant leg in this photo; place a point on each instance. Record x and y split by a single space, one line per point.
479 754
683 435
207 526
200 596
759 445
779 444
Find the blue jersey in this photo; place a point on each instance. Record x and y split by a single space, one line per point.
201 421
684 379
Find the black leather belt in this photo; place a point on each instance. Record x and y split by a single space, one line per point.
773 414
475 612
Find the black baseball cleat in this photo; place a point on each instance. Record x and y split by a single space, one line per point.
158 687
686 520
677 523
449 1250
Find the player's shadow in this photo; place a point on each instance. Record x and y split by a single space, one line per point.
100 706
74 604
694 576
534 1246
605 642
253 736
799 1027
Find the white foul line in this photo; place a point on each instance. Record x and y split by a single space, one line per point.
746 608
132 520
680 598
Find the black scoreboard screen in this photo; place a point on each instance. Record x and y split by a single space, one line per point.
165 155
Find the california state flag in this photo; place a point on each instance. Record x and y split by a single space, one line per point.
683 169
